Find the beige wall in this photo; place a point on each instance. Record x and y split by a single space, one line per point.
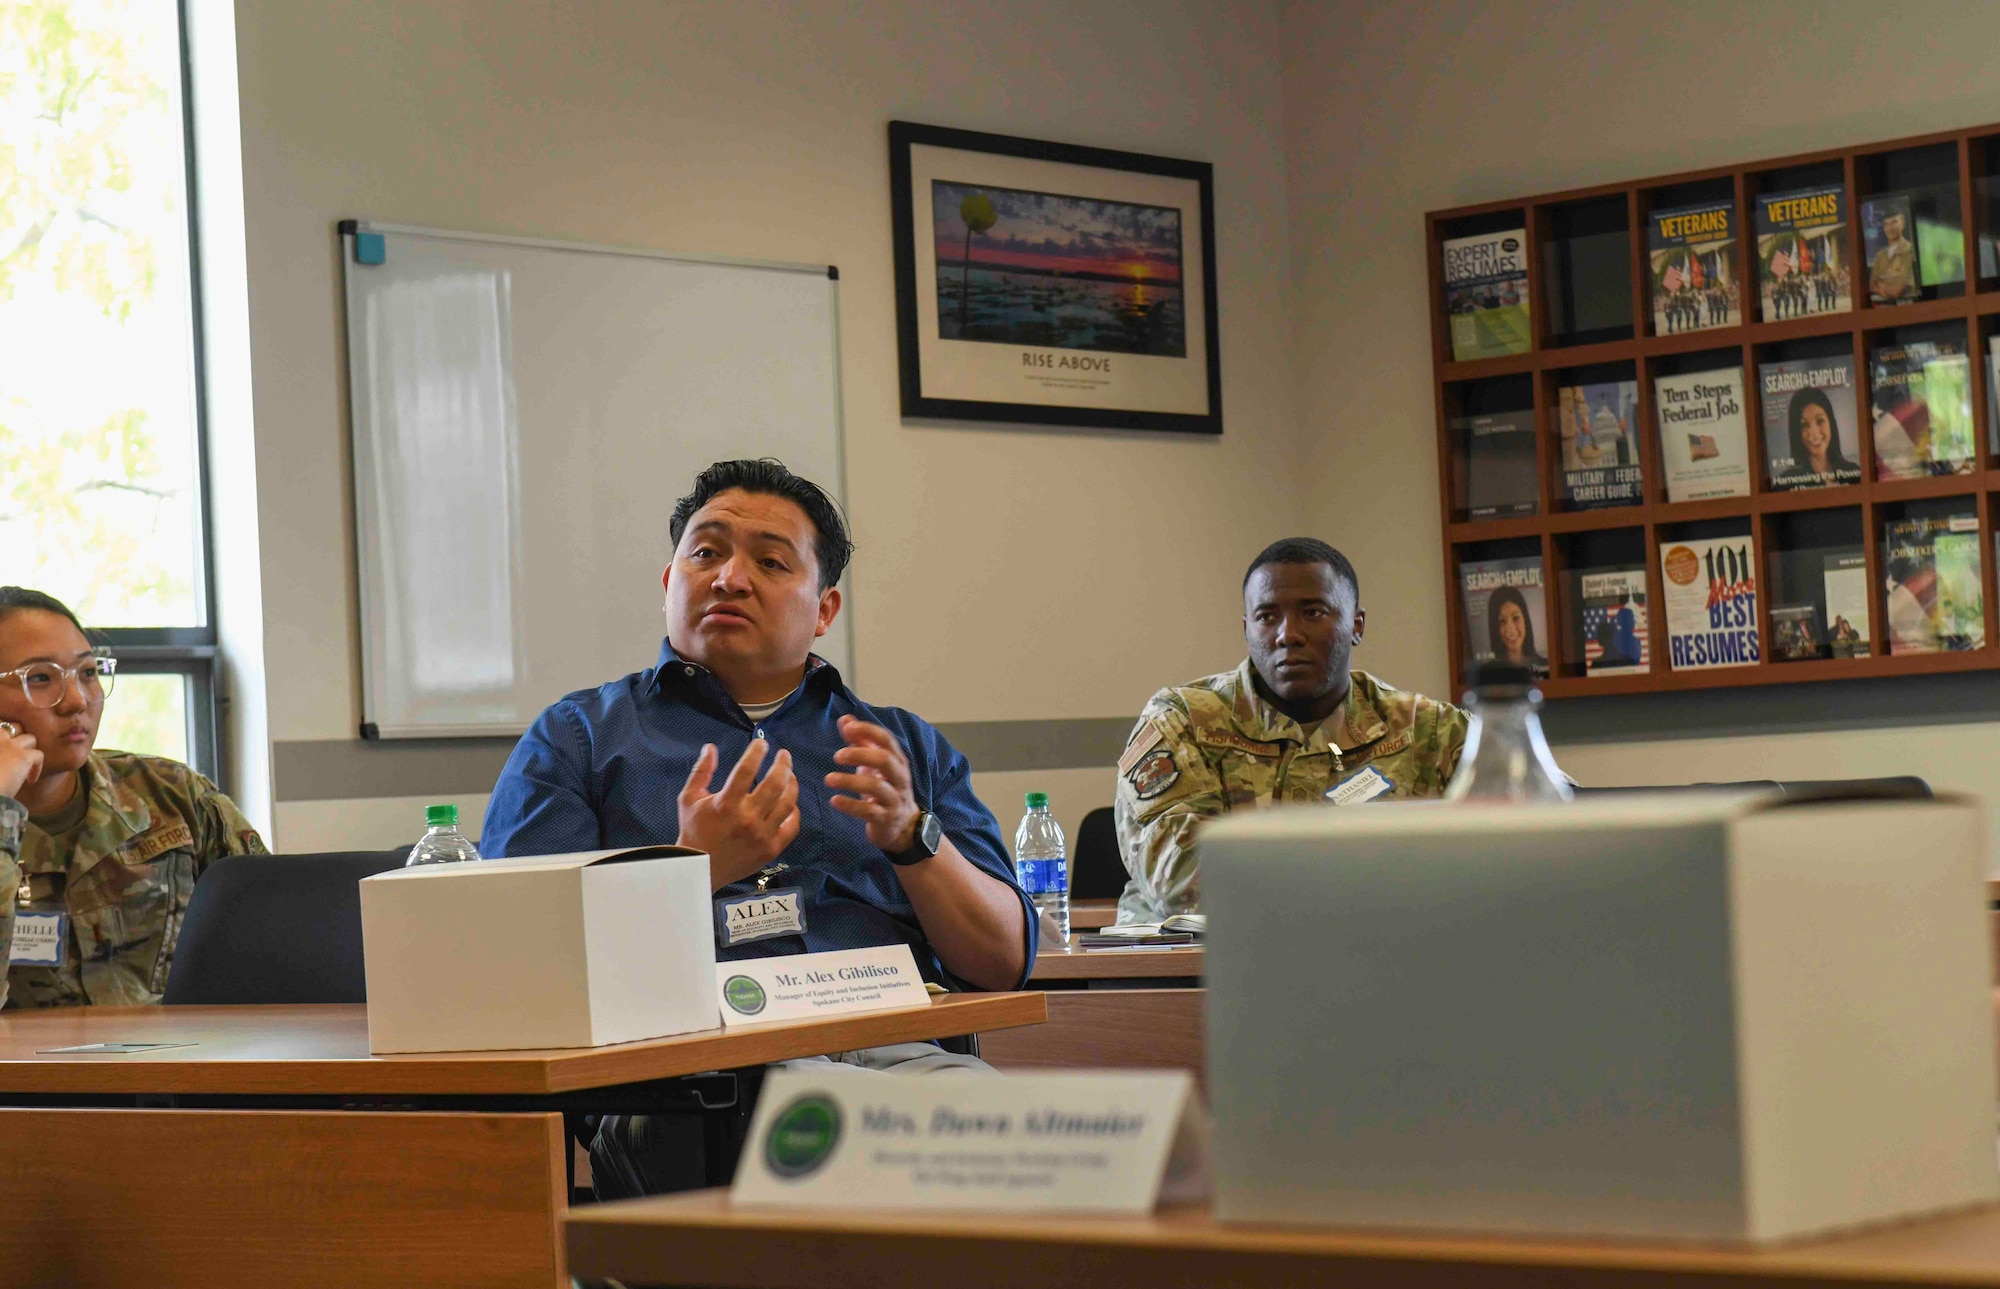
1002 573
1028 574
1395 109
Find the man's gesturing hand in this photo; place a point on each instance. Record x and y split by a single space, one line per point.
741 828
883 796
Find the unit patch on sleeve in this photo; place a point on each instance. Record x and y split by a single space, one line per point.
1144 739
1154 774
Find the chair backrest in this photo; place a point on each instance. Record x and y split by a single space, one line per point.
1099 870
276 929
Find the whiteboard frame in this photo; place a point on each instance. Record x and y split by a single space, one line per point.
365 518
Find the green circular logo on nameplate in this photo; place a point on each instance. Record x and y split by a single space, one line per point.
743 994
802 1136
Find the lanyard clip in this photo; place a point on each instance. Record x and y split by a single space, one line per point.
764 878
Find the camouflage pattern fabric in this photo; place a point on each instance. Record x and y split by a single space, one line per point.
151 828
1204 749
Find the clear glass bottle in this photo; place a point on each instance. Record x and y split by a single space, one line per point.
443 843
1506 758
1041 861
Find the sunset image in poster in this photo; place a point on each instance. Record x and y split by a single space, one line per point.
1035 268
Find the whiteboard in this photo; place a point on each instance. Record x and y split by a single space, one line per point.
525 414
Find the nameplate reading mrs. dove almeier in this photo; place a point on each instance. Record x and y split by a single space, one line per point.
813 985
838 1137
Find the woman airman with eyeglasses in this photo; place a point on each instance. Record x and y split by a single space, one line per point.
99 851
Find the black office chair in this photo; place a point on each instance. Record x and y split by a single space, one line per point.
276 929
1098 872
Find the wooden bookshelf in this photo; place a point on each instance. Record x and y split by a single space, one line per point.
1975 310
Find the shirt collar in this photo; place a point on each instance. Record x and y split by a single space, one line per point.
1357 721
672 667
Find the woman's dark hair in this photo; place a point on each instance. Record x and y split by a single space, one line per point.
20 597
1802 459
1504 596
831 548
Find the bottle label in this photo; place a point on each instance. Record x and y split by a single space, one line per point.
1043 876
1365 785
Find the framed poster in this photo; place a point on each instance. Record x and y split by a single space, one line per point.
1051 284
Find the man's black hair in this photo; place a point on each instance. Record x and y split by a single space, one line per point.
831 548
1306 550
20 597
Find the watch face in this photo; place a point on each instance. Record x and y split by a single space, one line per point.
929 832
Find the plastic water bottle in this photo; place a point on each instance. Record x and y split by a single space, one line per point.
443 843
1506 758
1041 861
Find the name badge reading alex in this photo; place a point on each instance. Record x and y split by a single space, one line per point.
39 939
762 916
1365 786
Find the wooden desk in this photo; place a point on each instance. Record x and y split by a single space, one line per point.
1133 1029
698 1239
304 1051
1074 964
275 1149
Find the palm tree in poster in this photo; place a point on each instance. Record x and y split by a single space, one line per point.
977 212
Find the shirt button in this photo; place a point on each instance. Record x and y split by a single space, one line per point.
760 733
690 671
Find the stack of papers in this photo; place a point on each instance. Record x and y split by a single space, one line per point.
1183 930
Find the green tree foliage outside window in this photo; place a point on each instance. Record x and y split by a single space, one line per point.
99 496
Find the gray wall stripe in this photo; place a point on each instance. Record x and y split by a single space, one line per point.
347 769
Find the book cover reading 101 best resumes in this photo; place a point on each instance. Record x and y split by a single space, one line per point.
1711 603
1486 294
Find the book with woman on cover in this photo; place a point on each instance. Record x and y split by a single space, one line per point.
1811 438
1799 268
1600 444
1506 616
1692 250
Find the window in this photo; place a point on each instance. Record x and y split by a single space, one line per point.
102 499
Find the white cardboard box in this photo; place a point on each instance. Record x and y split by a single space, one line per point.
552 951
1705 1017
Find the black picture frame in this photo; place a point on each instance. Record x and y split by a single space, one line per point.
1154 321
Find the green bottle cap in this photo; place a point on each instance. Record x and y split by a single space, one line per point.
1038 801
441 816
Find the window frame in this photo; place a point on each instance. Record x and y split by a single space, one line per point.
189 652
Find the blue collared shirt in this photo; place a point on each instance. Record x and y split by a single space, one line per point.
603 768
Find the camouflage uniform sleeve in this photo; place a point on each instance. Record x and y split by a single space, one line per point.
1449 740
220 828
1166 787
12 818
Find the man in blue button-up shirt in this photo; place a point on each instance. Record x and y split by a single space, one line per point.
866 811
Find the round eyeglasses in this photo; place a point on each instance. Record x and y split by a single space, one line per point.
45 683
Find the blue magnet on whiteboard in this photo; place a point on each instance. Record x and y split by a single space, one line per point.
369 248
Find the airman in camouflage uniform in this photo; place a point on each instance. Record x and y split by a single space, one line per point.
124 877
1292 723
